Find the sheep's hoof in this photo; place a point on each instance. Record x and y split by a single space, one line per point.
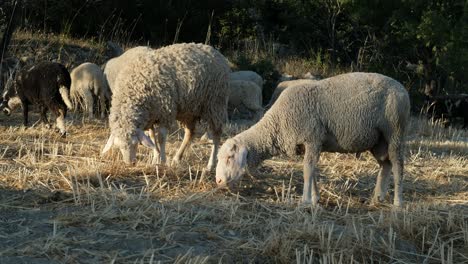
309 205
377 199
175 163
314 201
398 204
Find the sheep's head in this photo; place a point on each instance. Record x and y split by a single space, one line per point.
8 106
10 99
128 146
232 163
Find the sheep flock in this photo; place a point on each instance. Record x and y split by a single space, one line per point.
147 92
332 167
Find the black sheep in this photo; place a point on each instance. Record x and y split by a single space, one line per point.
47 85
449 109
459 109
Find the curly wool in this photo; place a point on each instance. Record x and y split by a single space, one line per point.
347 113
115 65
181 82
88 80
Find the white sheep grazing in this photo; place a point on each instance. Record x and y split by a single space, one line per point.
348 113
115 65
184 82
88 81
245 94
247 76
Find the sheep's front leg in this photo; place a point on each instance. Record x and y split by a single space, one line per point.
311 193
159 153
214 152
25 114
156 150
60 122
162 135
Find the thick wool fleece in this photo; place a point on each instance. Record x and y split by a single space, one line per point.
88 80
346 113
352 112
184 82
115 65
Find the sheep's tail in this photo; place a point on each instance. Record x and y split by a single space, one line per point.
65 93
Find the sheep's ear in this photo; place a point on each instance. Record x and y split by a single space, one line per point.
145 140
240 155
109 144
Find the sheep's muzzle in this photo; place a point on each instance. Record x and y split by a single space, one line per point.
5 109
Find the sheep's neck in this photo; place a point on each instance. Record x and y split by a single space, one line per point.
260 143
134 120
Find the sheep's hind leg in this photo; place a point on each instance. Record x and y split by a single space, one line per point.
88 103
311 193
396 158
380 153
102 101
382 183
185 142
44 119
60 122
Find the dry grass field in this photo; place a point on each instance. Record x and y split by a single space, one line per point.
61 202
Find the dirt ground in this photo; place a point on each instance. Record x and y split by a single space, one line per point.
62 202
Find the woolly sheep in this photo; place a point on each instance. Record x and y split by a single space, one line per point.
247 76
349 113
184 82
245 94
115 65
88 81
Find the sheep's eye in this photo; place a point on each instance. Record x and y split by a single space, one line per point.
229 158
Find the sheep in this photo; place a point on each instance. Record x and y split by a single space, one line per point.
283 86
247 76
115 65
348 113
184 82
245 94
46 84
88 81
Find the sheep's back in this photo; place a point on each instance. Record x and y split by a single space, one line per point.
40 83
196 73
347 113
181 79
